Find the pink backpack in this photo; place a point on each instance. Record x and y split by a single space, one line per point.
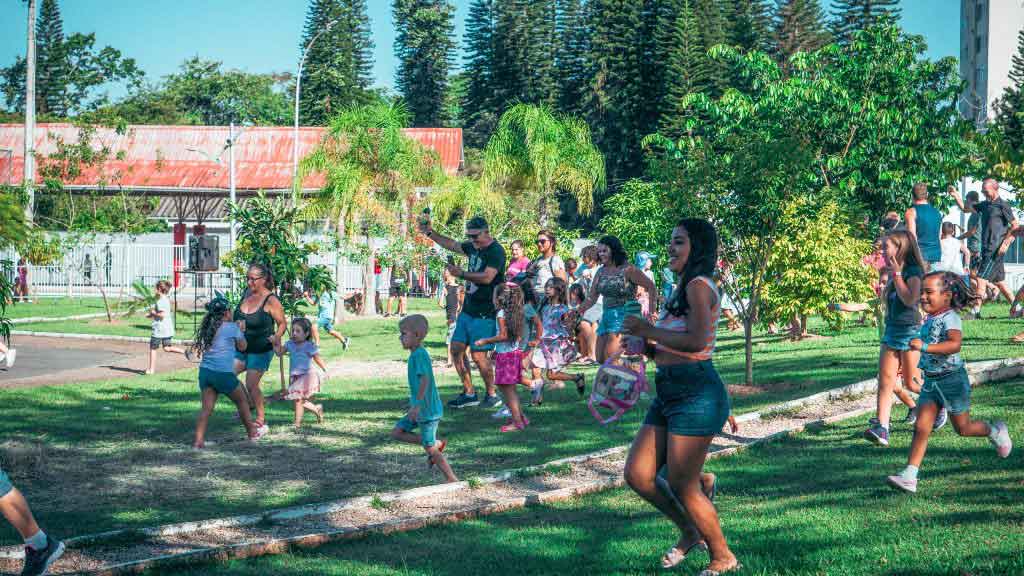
617 387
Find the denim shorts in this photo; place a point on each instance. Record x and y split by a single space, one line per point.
428 429
691 400
223 382
255 360
611 320
951 391
899 337
5 484
326 323
469 329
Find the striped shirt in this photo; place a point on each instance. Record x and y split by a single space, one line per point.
678 324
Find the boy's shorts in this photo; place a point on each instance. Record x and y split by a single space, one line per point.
255 360
951 391
223 382
325 323
428 429
469 329
5 484
158 343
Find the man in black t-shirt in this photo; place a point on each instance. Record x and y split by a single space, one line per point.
485 270
998 224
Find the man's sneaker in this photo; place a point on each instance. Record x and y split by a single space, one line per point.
1001 439
911 418
900 483
344 343
503 413
37 562
491 401
940 419
877 434
464 401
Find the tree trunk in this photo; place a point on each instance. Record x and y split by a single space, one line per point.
339 300
369 307
542 209
748 348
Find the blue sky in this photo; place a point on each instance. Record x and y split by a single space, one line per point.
263 35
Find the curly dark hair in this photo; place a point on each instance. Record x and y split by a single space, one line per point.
701 262
207 330
305 324
962 294
618 253
509 297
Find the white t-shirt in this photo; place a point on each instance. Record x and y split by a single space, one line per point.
952 258
545 271
163 328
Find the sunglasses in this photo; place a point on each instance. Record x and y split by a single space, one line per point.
472 236
253 278
542 240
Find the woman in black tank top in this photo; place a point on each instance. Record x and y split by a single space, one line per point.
265 324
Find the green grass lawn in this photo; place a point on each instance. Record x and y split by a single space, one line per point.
55 308
810 505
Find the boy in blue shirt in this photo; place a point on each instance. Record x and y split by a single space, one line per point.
425 408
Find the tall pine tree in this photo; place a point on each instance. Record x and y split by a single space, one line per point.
854 15
687 69
424 48
478 104
338 68
571 58
798 26
525 44
715 17
750 25
1009 109
52 68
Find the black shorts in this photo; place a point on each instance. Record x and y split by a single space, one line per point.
991 267
398 292
158 343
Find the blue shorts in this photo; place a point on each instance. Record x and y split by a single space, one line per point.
255 360
951 391
691 400
428 429
469 329
223 382
611 320
325 322
899 337
5 484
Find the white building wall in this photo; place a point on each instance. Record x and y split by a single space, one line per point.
988 41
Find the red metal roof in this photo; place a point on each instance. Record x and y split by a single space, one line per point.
159 156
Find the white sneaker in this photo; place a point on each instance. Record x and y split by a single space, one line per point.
503 413
11 355
1001 440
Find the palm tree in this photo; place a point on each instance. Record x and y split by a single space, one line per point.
371 169
536 153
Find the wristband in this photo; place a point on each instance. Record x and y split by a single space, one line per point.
924 347
897 273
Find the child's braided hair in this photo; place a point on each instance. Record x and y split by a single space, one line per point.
509 297
212 321
962 293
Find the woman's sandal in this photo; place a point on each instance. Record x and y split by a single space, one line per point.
675 556
710 572
319 413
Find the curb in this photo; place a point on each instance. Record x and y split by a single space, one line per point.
35 319
113 337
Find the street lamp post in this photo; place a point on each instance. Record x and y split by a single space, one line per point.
295 132
229 146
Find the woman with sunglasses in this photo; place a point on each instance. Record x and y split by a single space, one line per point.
265 324
548 265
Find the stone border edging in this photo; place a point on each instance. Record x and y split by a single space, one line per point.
35 319
73 336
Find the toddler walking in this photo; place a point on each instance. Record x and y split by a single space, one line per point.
945 379
216 341
303 379
163 325
425 409
508 355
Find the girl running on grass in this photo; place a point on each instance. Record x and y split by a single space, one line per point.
692 404
304 380
902 323
555 350
508 361
163 325
945 380
216 341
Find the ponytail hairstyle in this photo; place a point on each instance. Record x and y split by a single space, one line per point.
702 261
962 294
907 250
509 297
268 276
207 330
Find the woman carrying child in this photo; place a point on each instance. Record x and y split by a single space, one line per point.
216 341
508 367
946 386
303 379
555 350
692 404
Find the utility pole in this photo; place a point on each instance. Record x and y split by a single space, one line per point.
30 112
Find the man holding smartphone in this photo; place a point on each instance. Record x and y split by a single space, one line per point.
485 270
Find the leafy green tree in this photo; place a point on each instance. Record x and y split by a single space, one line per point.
639 214
798 26
424 47
338 67
535 153
687 69
477 105
207 94
371 171
851 16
